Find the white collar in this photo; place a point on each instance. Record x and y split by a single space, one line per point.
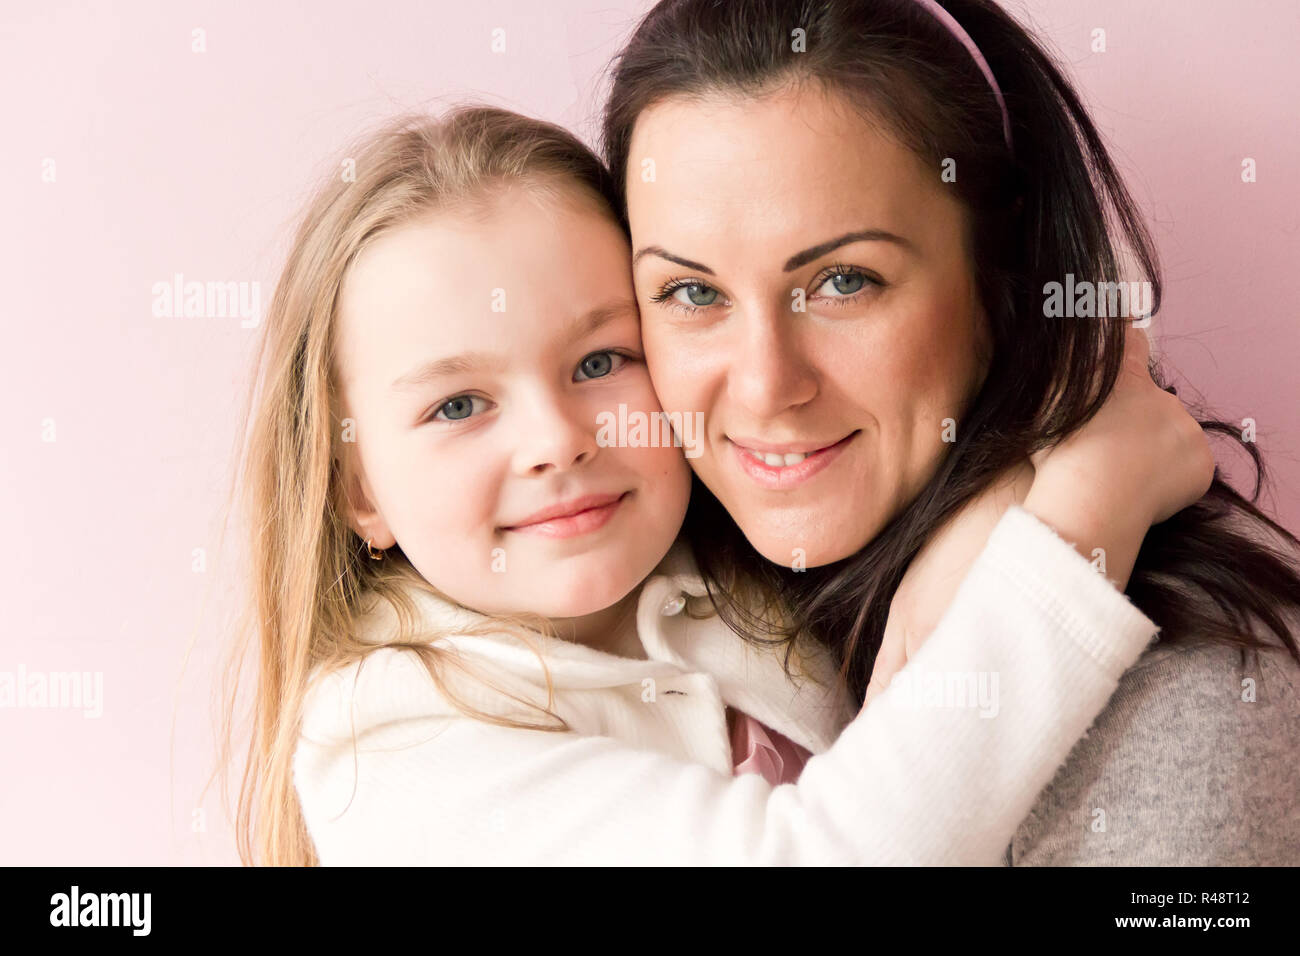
750 677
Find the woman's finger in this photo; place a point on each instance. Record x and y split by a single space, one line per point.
1137 349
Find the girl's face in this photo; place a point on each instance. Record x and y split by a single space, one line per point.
475 354
804 283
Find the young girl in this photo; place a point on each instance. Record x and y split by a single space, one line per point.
478 640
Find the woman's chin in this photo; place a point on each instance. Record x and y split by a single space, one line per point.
802 551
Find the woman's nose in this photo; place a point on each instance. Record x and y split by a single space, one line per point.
767 372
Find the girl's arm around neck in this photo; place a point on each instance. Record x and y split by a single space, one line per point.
940 769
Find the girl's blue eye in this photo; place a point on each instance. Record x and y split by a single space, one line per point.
599 364
458 408
844 283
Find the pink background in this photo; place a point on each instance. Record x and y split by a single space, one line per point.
172 161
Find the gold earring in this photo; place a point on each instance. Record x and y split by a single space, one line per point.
374 555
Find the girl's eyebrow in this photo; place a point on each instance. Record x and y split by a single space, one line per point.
599 317
796 260
454 365
578 328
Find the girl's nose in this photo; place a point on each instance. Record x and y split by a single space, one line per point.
554 436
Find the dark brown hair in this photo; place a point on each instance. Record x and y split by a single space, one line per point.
1056 206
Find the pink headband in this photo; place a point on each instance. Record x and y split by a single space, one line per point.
955 28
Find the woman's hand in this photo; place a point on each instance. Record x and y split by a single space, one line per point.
1141 459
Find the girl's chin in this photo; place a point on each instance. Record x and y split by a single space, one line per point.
584 597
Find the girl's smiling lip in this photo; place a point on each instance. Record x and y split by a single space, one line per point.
571 518
800 460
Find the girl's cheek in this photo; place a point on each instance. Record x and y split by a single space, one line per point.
446 487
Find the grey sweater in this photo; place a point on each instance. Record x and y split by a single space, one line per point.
1182 768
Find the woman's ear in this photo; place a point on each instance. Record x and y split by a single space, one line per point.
359 509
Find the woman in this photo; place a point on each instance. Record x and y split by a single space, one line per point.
845 216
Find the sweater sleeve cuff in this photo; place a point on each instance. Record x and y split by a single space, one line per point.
1050 572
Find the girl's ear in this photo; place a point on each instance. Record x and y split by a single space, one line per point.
358 506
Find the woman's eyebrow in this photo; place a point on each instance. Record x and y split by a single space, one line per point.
663 253
864 235
795 261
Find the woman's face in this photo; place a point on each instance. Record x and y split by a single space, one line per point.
804 283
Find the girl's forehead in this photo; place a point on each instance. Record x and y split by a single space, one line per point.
512 283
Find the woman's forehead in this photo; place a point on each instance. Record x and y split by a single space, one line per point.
796 146
789 172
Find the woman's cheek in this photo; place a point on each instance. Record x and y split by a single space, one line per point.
676 364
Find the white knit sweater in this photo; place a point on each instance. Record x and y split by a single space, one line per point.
389 772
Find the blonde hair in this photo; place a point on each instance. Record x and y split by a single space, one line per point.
309 571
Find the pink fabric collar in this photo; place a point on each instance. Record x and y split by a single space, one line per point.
757 748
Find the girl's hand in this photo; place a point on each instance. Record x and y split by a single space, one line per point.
932 579
1141 459
1138 462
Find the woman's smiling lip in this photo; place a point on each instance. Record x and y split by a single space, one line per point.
571 518
780 477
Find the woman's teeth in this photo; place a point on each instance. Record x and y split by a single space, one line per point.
777 461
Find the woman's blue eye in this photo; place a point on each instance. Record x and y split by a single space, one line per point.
458 408
696 294
844 283
598 364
